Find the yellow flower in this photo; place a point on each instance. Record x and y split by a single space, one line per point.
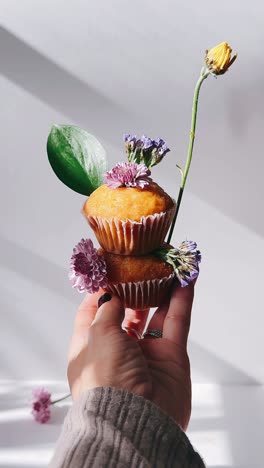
218 59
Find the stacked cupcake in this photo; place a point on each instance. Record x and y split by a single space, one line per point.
130 216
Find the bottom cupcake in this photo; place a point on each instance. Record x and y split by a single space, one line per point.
140 281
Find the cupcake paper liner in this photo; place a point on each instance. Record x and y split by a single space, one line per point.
131 237
143 294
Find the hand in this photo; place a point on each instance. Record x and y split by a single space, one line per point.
102 354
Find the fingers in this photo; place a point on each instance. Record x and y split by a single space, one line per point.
136 320
87 311
177 321
110 312
157 321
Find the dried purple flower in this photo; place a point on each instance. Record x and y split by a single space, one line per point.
130 141
128 175
147 142
87 268
127 137
145 150
41 405
159 142
185 261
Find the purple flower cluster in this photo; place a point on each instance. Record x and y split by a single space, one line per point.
145 150
41 405
128 175
87 268
185 261
188 259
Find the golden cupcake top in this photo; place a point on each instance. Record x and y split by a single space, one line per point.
127 202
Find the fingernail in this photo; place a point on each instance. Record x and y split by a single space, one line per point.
104 298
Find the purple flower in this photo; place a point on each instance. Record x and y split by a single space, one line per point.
147 142
159 142
87 268
41 405
161 146
129 138
185 261
162 150
188 259
126 174
145 150
130 142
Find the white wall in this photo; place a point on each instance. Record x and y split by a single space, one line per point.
113 67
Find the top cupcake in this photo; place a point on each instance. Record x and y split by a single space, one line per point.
130 214
128 203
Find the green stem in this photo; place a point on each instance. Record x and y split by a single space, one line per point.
61 399
204 74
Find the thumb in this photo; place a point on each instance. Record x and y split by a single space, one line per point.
110 310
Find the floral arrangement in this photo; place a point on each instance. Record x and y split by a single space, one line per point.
79 161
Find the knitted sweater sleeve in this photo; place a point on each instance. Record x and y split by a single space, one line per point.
112 428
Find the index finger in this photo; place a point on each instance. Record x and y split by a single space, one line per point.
178 318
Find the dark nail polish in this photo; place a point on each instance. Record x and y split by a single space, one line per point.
104 298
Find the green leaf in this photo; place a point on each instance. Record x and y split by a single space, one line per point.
77 158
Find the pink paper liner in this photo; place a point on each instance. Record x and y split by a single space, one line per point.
131 237
143 294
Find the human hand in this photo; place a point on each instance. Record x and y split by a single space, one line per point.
102 354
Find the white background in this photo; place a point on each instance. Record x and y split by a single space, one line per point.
121 67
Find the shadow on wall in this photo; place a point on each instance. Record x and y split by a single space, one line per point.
58 88
216 369
228 165
34 268
26 322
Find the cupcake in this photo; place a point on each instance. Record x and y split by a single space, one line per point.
130 214
139 281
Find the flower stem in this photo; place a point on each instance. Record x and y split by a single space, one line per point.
203 75
61 399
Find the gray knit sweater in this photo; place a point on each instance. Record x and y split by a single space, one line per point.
112 428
